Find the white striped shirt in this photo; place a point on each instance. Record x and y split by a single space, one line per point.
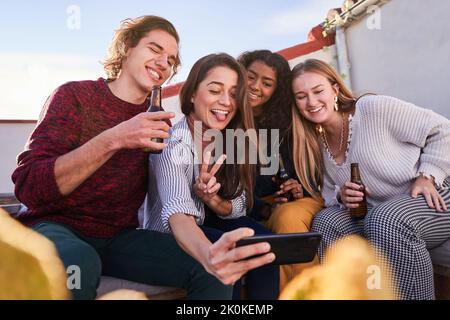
172 175
393 141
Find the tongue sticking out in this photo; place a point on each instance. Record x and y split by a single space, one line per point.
220 116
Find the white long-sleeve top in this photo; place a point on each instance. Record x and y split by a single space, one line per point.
394 142
172 175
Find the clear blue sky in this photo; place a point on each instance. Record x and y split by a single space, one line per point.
38 51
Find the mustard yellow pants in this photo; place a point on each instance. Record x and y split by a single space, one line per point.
295 216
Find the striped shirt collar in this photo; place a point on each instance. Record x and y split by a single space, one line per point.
180 132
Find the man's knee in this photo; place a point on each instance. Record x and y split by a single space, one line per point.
82 262
84 268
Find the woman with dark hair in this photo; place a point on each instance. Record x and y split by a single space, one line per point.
202 203
271 99
403 152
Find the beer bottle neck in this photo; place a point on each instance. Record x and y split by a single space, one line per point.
281 162
355 175
155 99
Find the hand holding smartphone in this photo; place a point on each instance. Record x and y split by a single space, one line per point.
288 248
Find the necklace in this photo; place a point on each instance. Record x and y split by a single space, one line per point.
323 134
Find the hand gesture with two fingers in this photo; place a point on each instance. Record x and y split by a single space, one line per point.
206 185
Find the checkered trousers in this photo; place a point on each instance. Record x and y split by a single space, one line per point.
403 230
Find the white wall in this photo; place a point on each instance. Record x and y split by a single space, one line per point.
327 54
409 57
12 141
172 104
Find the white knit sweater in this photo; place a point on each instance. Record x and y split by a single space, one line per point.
393 141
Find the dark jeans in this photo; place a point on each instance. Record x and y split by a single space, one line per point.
263 282
144 256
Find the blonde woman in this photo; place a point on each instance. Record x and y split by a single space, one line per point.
403 152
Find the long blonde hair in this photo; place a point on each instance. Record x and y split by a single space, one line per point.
307 157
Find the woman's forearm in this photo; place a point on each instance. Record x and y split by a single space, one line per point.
220 206
190 237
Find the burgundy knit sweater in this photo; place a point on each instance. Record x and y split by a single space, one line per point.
108 201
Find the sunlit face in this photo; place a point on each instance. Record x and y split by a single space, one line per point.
314 97
150 62
262 82
214 100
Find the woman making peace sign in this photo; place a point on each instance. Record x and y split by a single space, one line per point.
201 204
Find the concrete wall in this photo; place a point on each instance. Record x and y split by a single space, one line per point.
408 57
327 54
13 137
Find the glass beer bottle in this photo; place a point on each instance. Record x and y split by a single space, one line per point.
361 211
155 106
281 177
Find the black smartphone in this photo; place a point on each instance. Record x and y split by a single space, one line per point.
288 247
